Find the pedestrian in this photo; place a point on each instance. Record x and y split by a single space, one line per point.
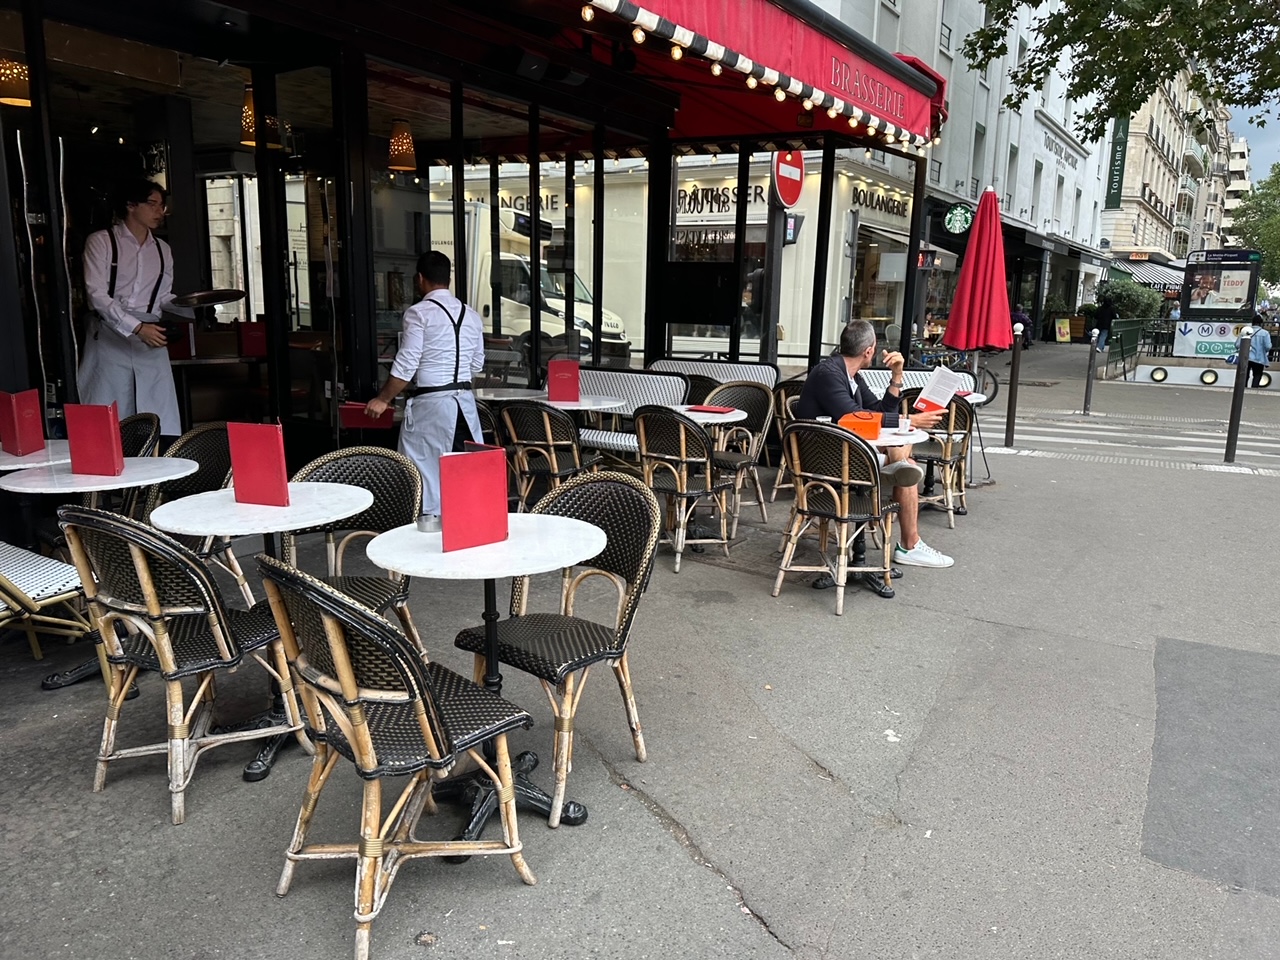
1102 320
128 279
1259 348
1019 315
1175 313
441 349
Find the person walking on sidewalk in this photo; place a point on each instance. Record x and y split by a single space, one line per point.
1106 313
1259 348
1019 316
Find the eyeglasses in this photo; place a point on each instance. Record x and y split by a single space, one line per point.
157 205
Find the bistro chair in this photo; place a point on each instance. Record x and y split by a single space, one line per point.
396 485
546 446
699 387
493 434
837 481
560 648
207 445
742 443
785 397
38 595
947 452
155 607
372 700
678 463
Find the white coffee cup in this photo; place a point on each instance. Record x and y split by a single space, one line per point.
904 424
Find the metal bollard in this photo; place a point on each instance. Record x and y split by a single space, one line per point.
1237 394
1093 365
1012 412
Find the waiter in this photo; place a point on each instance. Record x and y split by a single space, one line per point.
128 276
441 349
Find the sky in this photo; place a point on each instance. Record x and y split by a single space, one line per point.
1264 143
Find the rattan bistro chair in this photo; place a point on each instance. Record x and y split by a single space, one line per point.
785 397
396 485
699 387
207 445
546 446
743 442
837 478
372 700
173 620
678 463
560 648
38 595
947 451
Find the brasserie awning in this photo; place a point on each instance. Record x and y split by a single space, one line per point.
1153 275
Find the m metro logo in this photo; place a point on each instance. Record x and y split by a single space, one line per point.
788 176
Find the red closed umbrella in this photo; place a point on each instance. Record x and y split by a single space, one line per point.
980 311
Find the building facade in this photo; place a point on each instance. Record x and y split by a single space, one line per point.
1239 184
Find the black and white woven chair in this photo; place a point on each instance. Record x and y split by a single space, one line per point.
546 446
172 620
947 452
38 595
837 481
396 485
741 444
560 648
372 700
785 397
678 462
207 445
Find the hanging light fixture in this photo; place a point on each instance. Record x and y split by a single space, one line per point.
248 130
779 94
677 52
588 13
400 155
15 84
752 82
716 69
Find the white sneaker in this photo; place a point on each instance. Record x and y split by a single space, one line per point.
921 555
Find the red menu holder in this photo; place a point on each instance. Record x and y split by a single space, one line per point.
562 380
21 423
352 417
258 473
93 434
181 337
473 497
706 408
251 339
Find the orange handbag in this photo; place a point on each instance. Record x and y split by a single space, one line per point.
863 422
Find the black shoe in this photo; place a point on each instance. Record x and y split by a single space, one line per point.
824 582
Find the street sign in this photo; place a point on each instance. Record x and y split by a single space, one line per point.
1213 339
788 176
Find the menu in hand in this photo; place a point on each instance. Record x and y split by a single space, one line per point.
937 393
562 380
258 472
352 417
93 434
21 423
473 497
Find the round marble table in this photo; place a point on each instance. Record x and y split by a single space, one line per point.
975 399
535 543
708 418
508 393
58 478
585 401
55 451
892 438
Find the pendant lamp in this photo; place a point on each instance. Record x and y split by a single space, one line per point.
248 128
15 84
400 155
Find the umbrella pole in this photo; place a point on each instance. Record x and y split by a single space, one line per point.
970 479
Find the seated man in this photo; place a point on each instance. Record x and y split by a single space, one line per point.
834 388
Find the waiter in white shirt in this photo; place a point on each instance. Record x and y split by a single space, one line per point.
441 349
128 276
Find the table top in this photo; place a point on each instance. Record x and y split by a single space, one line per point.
58 478
208 298
55 451
217 513
891 437
535 544
974 398
508 393
586 401
710 419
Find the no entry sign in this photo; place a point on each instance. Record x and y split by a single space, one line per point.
788 176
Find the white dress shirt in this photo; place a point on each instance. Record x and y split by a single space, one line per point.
426 353
136 271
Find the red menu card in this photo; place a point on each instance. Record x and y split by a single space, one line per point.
21 426
181 337
93 433
251 339
562 380
258 472
352 417
473 497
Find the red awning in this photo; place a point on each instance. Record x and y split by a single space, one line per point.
797 48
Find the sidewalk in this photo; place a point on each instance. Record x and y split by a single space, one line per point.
1058 748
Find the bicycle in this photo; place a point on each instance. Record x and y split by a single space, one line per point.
987 383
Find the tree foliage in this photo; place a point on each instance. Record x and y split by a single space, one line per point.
1131 299
1257 223
1122 50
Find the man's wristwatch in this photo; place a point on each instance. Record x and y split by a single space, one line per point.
895 384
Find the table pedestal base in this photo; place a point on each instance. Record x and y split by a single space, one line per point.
476 791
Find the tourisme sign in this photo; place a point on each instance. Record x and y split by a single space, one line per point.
788 176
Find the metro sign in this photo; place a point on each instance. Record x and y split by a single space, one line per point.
788 176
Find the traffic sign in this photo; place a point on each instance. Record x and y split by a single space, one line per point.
788 176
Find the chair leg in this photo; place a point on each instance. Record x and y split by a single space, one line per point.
948 484
179 740
737 503
755 482
368 866
118 681
842 565
564 702
790 538
233 567
410 629
289 696
33 641
723 501
322 765
622 672
507 807
681 531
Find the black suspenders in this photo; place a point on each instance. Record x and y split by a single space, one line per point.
115 265
457 355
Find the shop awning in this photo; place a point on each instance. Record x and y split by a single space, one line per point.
799 52
1154 275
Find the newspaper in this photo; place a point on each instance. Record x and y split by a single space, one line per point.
937 393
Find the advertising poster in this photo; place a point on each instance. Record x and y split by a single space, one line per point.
1216 288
